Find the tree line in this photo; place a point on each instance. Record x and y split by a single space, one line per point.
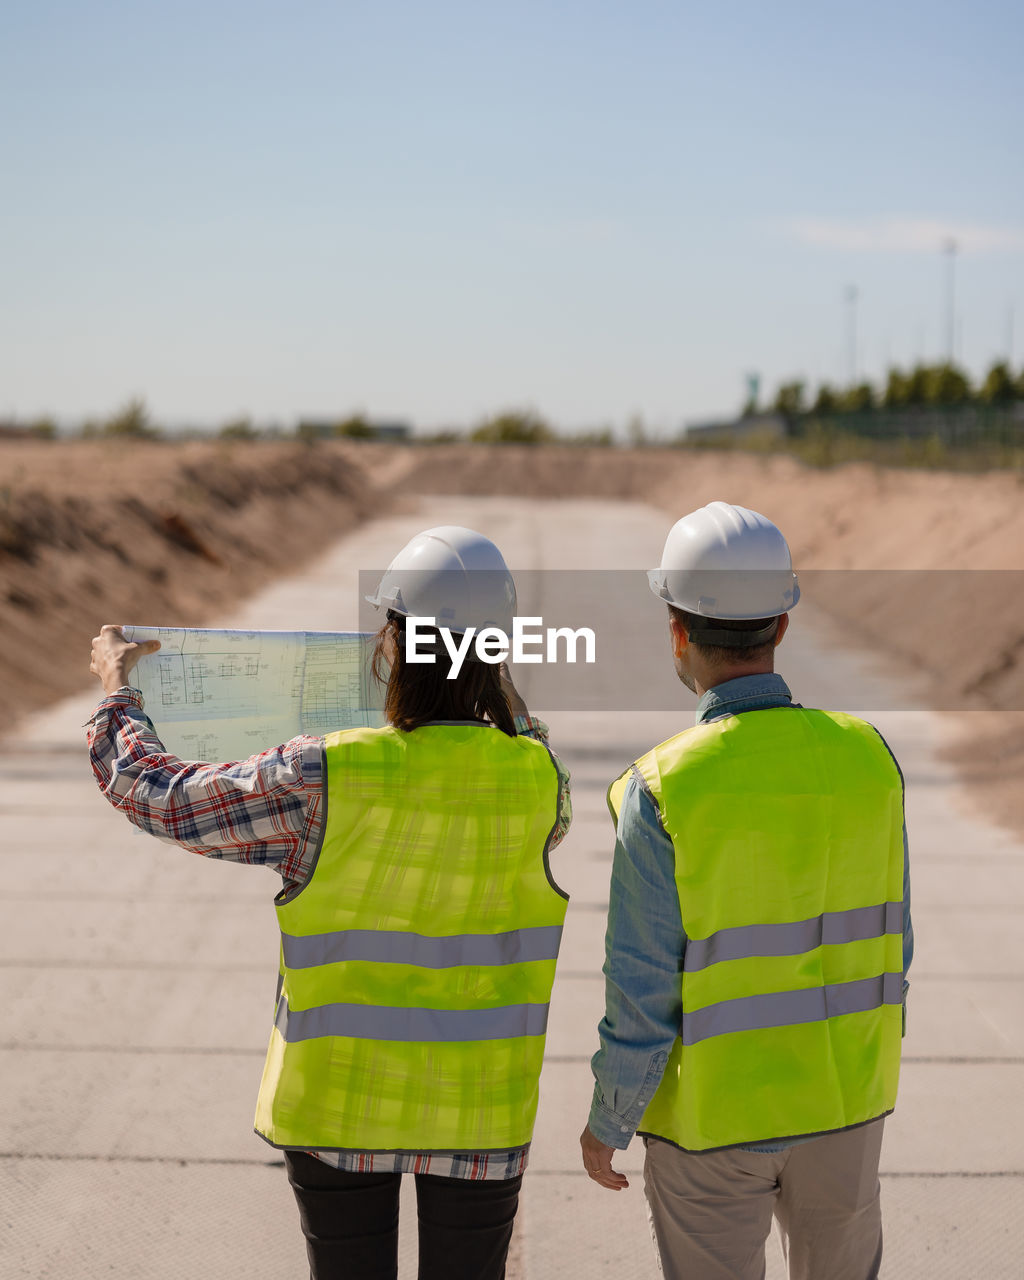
925 386
938 398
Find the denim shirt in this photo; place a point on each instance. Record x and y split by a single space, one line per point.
645 941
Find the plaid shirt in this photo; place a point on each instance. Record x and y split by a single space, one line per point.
265 811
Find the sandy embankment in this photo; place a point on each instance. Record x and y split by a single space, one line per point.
101 530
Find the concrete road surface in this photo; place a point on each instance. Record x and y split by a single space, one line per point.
140 986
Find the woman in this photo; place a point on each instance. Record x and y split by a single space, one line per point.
419 921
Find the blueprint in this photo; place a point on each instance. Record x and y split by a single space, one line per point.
224 695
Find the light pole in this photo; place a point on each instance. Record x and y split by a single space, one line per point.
753 381
850 296
949 250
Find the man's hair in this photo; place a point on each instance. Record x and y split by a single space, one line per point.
720 653
419 692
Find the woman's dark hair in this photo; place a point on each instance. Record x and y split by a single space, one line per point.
419 692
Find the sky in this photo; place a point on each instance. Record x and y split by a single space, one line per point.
436 212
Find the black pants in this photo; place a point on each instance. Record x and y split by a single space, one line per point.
350 1221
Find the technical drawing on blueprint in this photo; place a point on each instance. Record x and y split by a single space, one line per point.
224 695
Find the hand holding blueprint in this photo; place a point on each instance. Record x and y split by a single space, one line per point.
224 695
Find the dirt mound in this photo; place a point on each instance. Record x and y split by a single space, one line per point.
93 531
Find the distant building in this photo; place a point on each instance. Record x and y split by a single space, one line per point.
319 429
390 430
44 429
763 425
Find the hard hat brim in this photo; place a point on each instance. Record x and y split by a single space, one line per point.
732 595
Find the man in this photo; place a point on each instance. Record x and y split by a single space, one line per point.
758 940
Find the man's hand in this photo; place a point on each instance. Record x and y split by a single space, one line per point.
597 1160
113 656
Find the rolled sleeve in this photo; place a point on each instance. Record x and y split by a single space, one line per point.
266 810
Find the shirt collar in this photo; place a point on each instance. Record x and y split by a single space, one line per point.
745 693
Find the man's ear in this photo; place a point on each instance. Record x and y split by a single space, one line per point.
680 637
783 627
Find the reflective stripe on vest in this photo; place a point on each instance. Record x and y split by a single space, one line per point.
415 948
791 1018
440 1026
787 1008
417 962
788 939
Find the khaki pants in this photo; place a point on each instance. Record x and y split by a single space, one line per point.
711 1213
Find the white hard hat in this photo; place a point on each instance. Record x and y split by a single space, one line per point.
453 575
727 562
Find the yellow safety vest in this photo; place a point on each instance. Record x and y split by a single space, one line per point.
417 961
787 829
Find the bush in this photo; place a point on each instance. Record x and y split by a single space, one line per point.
354 427
44 428
238 429
131 420
513 427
